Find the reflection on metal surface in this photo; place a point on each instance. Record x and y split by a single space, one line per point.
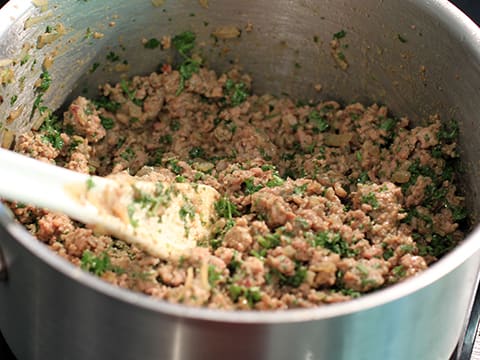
177 343
476 348
3 268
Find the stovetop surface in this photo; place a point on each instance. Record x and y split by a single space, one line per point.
471 347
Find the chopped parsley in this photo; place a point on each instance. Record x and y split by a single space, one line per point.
371 200
107 104
51 130
130 93
13 99
459 213
295 280
90 184
196 152
251 294
236 91
97 265
399 271
186 70
349 292
152 202
334 243
112 57
180 179
174 125
107 122
275 181
25 59
213 275
131 212
319 121
388 253
388 125
173 165
340 35
250 187
269 241
300 190
438 245
448 132
94 67
152 43
363 178
128 154
184 42
187 211
407 248
45 82
226 209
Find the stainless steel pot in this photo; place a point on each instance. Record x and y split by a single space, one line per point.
419 57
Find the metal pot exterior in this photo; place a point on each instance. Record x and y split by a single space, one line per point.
51 310
47 314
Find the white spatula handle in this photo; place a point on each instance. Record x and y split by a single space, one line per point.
37 183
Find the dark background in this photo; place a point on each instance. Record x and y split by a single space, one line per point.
470 7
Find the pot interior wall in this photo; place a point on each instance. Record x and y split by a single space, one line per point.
406 54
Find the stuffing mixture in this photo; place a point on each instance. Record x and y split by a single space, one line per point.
319 203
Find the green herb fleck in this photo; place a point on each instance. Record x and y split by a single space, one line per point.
269 241
340 35
334 243
300 190
213 275
319 121
90 184
358 155
130 93
237 92
152 43
187 211
45 82
275 181
128 154
107 104
51 130
196 152
112 57
370 199
399 271
13 99
226 209
184 42
180 179
131 212
295 280
173 165
94 67
186 70
250 187
161 197
97 264
25 59
107 122
251 294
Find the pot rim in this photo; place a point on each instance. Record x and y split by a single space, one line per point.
462 27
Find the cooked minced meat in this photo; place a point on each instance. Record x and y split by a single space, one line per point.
319 203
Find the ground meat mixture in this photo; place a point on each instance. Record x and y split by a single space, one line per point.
319 203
